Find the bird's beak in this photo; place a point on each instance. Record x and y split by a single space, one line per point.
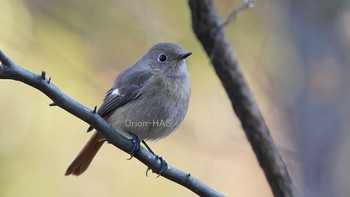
184 55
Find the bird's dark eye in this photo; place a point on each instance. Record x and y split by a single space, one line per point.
162 58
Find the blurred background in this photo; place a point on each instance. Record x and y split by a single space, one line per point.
294 54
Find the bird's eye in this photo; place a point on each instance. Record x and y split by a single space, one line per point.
162 58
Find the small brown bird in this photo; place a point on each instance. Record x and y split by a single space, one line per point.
149 99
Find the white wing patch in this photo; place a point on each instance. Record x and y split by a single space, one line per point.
115 92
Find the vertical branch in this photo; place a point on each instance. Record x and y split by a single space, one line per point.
207 27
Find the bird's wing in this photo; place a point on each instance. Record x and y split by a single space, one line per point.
128 87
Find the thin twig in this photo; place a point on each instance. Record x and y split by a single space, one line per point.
246 4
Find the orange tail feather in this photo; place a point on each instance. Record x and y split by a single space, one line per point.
84 158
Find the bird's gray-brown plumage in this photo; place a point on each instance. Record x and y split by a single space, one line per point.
149 99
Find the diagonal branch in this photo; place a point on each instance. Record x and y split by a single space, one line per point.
9 70
208 29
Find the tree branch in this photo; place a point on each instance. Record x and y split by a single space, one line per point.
207 27
9 70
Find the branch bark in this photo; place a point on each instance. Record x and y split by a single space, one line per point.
9 70
208 29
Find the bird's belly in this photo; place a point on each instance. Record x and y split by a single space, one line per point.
149 119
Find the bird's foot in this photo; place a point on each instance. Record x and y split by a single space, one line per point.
136 142
162 168
163 164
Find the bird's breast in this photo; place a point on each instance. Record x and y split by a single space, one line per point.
157 112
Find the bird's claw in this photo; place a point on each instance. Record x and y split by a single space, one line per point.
162 168
136 142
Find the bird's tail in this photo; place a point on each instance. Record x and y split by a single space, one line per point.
84 158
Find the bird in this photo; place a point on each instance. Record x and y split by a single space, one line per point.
148 100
